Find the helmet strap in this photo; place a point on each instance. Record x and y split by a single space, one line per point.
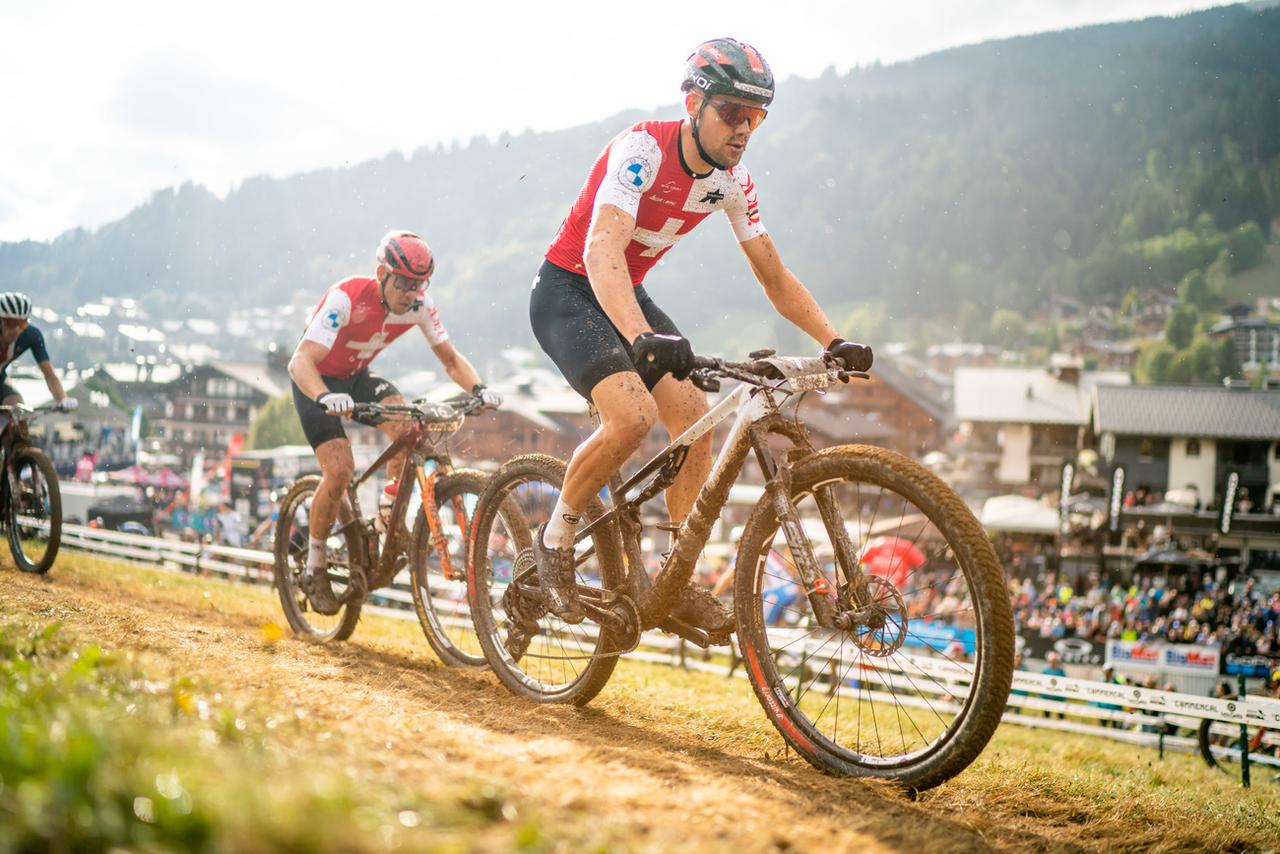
382 291
697 142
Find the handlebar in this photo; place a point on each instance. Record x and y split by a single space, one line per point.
420 410
21 410
761 371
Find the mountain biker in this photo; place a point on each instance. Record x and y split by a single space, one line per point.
650 186
355 321
17 336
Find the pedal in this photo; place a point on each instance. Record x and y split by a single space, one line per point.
693 634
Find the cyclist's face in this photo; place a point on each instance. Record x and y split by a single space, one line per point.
399 291
11 327
724 141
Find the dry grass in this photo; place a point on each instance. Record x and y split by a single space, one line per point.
662 760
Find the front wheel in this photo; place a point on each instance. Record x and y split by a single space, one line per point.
439 569
35 510
293 531
1220 747
913 687
535 654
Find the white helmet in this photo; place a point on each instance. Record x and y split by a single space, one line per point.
14 304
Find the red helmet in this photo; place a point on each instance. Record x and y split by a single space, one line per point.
407 254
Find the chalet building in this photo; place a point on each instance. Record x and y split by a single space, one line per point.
1018 425
1257 343
208 404
1191 438
903 406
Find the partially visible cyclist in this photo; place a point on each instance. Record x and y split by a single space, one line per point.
650 186
355 321
17 336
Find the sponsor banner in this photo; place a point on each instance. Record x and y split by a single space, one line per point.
1071 650
1135 655
939 636
1191 659
1249 665
1160 657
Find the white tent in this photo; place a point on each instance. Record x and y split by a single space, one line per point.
1020 514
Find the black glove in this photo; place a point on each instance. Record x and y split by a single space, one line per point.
854 357
657 355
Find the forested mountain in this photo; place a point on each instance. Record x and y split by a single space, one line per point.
1081 162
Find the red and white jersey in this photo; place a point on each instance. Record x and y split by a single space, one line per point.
642 171
352 322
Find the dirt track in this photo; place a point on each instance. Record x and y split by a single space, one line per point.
626 771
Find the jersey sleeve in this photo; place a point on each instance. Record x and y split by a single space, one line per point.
35 343
632 167
334 313
430 324
744 208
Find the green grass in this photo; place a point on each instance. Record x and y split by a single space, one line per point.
101 750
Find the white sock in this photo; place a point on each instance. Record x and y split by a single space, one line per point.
315 553
562 526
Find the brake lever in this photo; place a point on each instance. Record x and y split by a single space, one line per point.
705 382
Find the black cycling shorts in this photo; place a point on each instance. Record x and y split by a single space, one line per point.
318 425
574 331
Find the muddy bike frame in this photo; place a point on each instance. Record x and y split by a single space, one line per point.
431 424
753 405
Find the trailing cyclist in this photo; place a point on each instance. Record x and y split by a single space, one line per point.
650 186
355 321
18 336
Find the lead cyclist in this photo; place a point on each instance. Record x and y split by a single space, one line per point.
650 186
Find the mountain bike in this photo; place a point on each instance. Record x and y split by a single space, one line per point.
361 559
901 672
30 501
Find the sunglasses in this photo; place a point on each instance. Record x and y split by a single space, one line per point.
406 284
734 114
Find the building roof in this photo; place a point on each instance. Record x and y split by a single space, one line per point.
1212 412
256 375
916 383
1027 395
845 425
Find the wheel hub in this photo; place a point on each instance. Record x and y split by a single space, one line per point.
880 628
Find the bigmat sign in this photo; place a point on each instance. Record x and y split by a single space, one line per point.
1158 656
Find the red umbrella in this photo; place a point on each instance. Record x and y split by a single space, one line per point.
167 478
892 558
133 474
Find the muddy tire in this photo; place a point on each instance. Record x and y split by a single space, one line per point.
561 663
918 717
292 532
440 597
34 517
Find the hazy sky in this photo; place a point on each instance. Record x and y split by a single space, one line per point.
103 103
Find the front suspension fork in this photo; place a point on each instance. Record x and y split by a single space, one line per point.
822 596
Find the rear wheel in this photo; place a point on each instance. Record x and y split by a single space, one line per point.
914 688
35 510
534 653
293 530
439 571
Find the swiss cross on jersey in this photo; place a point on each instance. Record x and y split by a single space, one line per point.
641 172
353 324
